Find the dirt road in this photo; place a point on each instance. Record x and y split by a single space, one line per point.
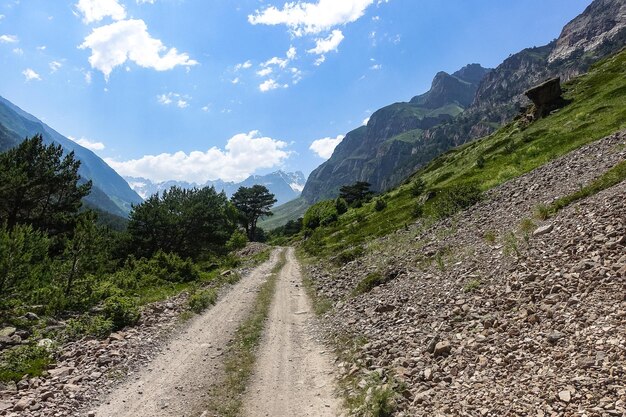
176 382
293 375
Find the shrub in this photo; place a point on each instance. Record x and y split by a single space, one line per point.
238 240
24 360
323 213
341 206
121 311
480 162
348 255
368 283
201 300
542 212
456 198
94 326
380 204
418 187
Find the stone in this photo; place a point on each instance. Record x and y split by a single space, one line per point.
31 316
61 372
554 337
22 404
442 348
7 331
543 230
45 343
565 396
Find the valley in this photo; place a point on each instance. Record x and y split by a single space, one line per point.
462 253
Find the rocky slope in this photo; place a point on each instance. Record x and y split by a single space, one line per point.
494 312
286 186
379 152
369 154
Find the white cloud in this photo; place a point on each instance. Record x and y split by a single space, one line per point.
271 84
96 10
206 108
88 77
89 144
328 44
181 101
146 1
31 75
55 66
319 61
281 62
112 45
366 121
18 51
376 67
264 72
8 39
235 80
306 18
243 155
243 65
291 53
2 16
41 48
324 147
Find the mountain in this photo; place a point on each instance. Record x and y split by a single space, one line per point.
466 105
110 192
380 153
286 186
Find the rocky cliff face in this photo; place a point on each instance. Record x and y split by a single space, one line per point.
380 152
403 137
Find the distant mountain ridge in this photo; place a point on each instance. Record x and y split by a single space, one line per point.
471 103
286 186
380 152
109 192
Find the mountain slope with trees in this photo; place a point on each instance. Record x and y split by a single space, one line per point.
16 124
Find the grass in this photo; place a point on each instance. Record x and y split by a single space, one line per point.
226 399
24 360
610 178
597 108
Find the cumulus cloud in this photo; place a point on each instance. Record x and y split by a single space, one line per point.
112 45
31 75
264 72
89 144
8 39
324 147
271 84
243 155
179 100
96 10
328 44
311 18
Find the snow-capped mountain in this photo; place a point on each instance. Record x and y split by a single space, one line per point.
286 186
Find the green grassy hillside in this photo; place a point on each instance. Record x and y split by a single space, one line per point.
282 214
597 108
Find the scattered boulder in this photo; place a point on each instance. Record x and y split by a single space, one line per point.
543 230
442 348
546 96
7 331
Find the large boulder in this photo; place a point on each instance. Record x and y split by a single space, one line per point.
546 96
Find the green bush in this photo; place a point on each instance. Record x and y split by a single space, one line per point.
323 213
91 326
341 206
348 255
418 187
121 311
201 300
23 360
456 198
238 240
380 204
418 210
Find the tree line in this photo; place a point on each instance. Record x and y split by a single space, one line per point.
56 252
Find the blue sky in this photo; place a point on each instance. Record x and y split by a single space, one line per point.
201 89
